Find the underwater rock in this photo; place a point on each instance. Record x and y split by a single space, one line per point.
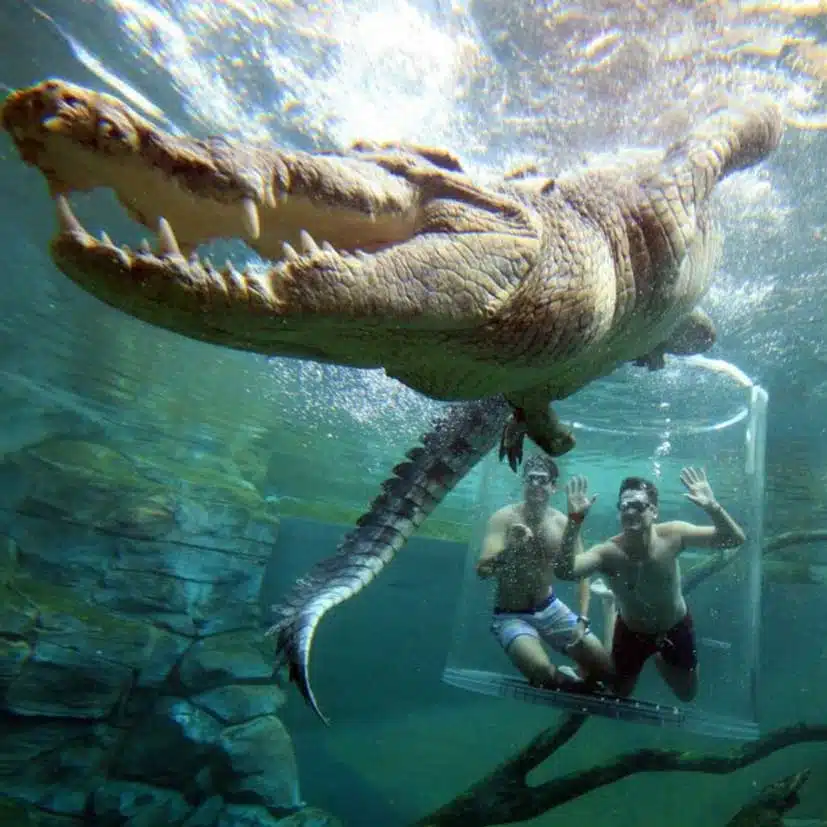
117 800
82 659
135 684
13 654
236 703
226 659
59 681
206 814
311 817
263 763
251 816
185 543
171 745
53 764
15 813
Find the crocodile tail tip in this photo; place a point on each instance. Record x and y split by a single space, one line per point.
294 641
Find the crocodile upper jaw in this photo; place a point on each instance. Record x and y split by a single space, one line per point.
82 140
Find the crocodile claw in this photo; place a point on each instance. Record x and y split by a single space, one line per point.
513 439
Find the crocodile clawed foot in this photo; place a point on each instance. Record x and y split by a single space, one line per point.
513 438
539 422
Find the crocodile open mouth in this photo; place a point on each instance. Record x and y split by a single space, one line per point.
163 272
370 233
208 188
375 236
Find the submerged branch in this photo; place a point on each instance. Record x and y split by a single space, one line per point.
780 565
692 578
504 796
771 803
794 538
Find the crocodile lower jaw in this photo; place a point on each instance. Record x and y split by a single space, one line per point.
162 275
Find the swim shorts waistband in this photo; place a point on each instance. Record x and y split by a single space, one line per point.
540 607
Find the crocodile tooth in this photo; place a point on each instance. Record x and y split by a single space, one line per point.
168 244
310 246
208 265
250 218
144 247
106 240
328 247
66 218
289 253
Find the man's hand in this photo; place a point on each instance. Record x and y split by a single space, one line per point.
519 534
577 493
700 491
581 630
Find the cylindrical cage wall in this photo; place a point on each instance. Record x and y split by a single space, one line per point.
685 415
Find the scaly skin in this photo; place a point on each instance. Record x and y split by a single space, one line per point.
515 296
531 289
457 442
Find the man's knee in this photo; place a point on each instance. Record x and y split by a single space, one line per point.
590 653
685 693
686 687
682 681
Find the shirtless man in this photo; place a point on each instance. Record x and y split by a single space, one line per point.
520 547
641 565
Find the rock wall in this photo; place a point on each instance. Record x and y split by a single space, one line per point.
135 685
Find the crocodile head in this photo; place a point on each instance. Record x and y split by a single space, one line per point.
369 200
211 188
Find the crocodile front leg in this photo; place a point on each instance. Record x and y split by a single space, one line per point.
534 417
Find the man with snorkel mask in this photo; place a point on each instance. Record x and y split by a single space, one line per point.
641 565
521 545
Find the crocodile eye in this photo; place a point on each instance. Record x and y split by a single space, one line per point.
107 129
71 101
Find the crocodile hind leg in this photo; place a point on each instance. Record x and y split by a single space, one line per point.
694 334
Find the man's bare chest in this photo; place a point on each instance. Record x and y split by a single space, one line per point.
650 573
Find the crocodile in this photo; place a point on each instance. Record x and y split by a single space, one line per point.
502 298
530 288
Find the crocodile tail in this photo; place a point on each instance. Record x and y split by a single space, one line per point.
457 442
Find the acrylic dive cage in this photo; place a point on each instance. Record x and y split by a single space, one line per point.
697 411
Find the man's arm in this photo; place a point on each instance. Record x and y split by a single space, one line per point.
499 534
573 566
584 594
724 531
584 597
573 563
